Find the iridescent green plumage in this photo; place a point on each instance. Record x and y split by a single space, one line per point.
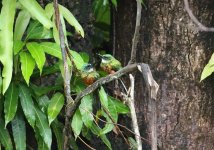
109 63
89 74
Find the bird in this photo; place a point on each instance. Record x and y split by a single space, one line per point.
109 64
88 74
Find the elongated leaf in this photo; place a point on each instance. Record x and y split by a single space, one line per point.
19 131
40 141
96 130
10 103
120 107
58 130
37 31
55 106
27 65
27 104
54 50
36 11
86 110
43 102
103 97
6 40
39 91
37 53
71 19
21 24
84 56
109 125
43 127
77 123
18 45
5 139
49 10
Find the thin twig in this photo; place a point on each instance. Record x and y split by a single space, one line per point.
120 125
195 20
67 77
136 33
133 113
86 144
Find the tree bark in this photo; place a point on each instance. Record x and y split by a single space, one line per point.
176 52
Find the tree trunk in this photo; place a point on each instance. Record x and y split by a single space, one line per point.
176 52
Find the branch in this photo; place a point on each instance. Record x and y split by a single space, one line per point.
67 77
195 20
133 113
136 33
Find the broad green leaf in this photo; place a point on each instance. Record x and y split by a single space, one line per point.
37 31
37 53
5 139
55 106
207 71
40 142
113 112
77 123
43 127
10 103
96 130
51 69
6 40
58 131
43 102
36 11
41 90
17 46
49 10
120 107
27 104
54 50
21 24
19 131
71 19
103 97
86 133
84 56
86 109
27 65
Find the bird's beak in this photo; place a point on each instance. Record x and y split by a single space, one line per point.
99 55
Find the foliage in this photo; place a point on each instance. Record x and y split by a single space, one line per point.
26 43
208 69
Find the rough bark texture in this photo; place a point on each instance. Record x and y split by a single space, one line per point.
176 52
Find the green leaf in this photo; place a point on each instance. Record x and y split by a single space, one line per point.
51 49
27 65
208 69
37 31
36 11
133 143
55 106
40 142
109 125
71 19
5 139
114 2
21 24
84 56
19 131
103 97
58 130
96 130
43 102
77 123
18 45
6 40
86 109
40 90
10 103
27 104
43 127
120 107
37 53
49 10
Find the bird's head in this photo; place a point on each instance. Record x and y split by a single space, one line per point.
87 68
106 58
